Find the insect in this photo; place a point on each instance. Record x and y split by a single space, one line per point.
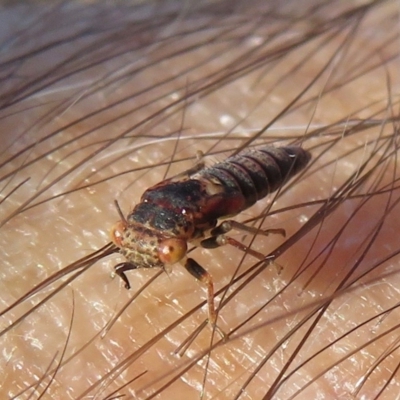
186 208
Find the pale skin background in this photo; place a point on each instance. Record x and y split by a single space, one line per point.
124 90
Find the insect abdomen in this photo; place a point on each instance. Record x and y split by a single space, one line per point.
256 173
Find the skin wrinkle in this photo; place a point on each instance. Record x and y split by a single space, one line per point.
170 79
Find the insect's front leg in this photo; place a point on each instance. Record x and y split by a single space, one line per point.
120 270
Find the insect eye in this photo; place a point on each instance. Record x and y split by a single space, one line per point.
171 251
117 233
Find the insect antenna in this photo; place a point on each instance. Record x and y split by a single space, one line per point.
121 215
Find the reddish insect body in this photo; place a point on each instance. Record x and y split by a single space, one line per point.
186 209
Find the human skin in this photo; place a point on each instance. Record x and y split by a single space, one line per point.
129 96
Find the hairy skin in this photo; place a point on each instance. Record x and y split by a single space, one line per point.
129 96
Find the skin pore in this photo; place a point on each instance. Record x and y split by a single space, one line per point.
101 102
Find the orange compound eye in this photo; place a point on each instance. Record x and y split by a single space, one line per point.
171 251
117 233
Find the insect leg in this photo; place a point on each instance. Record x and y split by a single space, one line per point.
120 270
193 170
218 237
221 240
196 270
228 225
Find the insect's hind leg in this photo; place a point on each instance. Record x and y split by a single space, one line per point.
193 170
197 271
222 240
228 225
218 239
